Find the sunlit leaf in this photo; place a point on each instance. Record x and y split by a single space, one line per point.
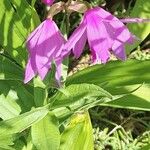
120 78
15 24
79 134
21 122
78 94
45 133
8 105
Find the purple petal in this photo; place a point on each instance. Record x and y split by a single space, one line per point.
98 38
49 47
48 2
30 71
45 44
103 14
119 50
77 35
79 46
34 32
122 33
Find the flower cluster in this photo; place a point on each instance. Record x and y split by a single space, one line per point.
104 33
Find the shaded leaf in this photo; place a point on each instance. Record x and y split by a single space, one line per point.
9 70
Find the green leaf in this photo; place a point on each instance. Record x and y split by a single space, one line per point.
139 99
141 30
5 142
78 94
22 122
45 133
147 147
16 20
79 134
40 92
33 3
15 95
25 95
40 96
8 105
3 147
120 78
77 97
21 144
9 70
114 74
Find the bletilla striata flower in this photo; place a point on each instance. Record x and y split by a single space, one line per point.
45 45
48 2
105 33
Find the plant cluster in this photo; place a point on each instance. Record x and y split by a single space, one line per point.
42 107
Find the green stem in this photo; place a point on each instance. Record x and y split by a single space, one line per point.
67 23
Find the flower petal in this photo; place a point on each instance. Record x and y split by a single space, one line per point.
45 45
75 37
49 47
119 50
30 71
98 38
79 46
103 14
120 32
48 2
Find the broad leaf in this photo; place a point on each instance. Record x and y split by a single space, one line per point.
45 133
139 99
16 19
114 74
8 105
40 92
77 97
15 96
120 78
21 122
9 70
79 134
78 94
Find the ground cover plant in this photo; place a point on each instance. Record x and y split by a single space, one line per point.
74 75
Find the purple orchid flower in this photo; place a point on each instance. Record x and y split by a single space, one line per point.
105 33
45 45
48 2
